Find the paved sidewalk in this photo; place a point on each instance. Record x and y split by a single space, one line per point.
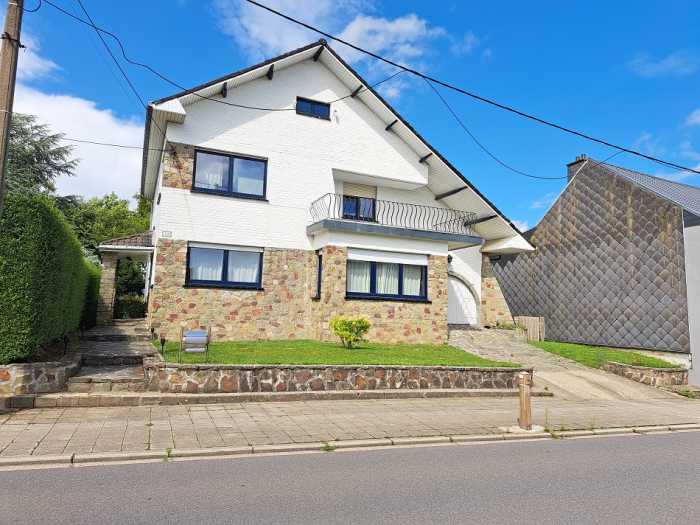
98 430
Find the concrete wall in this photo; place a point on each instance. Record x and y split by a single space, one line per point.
692 278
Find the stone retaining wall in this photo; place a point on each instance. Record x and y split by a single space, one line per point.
169 377
649 376
37 378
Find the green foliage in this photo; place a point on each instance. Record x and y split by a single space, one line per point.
35 157
130 307
43 277
131 278
350 331
89 317
596 356
101 218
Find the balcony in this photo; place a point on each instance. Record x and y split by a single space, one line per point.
335 212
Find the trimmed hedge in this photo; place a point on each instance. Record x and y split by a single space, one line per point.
89 318
43 277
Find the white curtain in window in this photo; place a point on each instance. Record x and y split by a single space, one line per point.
211 172
358 276
206 264
387 278
412 280
243 267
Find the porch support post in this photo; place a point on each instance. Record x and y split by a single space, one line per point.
108 285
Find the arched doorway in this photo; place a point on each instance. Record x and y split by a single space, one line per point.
461 303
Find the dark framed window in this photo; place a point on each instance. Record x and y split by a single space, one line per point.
223 268
313 108
381 280
359 208
229 175
319 274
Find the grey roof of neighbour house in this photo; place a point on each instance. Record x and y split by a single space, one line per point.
685 196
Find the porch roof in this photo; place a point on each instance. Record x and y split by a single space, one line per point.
139 242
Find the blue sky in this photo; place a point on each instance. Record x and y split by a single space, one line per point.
628 72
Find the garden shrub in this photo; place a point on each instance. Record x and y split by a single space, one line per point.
43 277
351 331
130 307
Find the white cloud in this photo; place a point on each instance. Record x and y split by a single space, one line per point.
30 65
545 201
487 54
521 225
678 64
681 176
649 144
102 169
405 39
693 119
465 45
688 151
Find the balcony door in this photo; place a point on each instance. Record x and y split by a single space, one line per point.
359 202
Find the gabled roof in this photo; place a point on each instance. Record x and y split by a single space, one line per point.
685 196
171 108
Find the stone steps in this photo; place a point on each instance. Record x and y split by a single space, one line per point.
107 379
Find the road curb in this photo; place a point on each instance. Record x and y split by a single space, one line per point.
252 450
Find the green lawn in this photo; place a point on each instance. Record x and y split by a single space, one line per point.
307 352
595 356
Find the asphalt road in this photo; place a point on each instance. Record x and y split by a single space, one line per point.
634 479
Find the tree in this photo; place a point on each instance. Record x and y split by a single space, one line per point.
35 158
102 218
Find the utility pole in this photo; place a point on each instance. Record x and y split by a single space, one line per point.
8 74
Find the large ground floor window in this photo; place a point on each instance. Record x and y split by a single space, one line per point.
386 280
216 266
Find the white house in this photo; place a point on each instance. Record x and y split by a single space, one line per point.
290 192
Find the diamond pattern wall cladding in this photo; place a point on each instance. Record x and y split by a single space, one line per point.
608 269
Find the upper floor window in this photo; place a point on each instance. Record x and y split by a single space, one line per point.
221 267
229 175
313 108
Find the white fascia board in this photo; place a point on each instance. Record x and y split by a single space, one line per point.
514 244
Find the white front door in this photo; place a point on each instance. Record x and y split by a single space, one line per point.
461 305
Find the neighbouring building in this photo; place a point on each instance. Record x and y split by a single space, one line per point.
616 263
291 192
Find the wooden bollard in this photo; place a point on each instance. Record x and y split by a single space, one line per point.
524 384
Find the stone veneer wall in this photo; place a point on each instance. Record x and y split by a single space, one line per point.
193 379
108 289
37 378
494 308
649 376
286 307
178 165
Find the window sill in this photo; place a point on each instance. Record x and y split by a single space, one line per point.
230 195
225 286
351 297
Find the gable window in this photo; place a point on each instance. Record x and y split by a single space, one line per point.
313 108
214 266
380 278
229 175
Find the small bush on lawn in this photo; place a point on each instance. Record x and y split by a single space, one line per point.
130 307
43 277
350 331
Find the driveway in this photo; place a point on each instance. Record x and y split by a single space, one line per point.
566 379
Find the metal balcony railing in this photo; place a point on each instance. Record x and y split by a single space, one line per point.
389 213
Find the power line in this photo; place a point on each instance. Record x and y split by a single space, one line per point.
178 85
119 66
111 144
474 95
478 142
33 10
